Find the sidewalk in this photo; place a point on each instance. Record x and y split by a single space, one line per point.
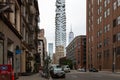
109 72
33 77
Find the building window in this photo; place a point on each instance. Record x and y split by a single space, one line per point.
115 5
108 12
92 18
89 40
100 9
118 2
106 53
92 38
98 2
114 22
114 38
118 36
89 6
89 29
118 20
107 28
89 13
98 34
108 1
98 21
92 9
106 41
100 18
100 44
105 14
89 21
105 3
92 1
118 50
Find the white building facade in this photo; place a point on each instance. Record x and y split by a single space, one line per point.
60 22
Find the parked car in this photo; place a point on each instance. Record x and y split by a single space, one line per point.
93 70
66 68
57 72
81 69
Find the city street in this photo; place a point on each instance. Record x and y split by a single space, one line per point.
92 76
75 75
32 77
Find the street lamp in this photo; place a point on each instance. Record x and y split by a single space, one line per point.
114 59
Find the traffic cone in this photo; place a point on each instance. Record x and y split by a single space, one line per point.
13 78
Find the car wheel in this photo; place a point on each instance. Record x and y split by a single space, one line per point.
63 76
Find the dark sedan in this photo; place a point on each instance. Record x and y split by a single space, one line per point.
93 70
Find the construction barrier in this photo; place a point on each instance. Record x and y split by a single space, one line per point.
6 72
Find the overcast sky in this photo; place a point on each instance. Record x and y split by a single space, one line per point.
75 17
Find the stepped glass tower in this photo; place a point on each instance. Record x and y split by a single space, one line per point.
60 23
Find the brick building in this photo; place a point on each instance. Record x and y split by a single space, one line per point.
18 31
76 51
103 34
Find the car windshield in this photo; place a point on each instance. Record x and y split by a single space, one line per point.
58 69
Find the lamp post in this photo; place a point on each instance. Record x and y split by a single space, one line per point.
114 59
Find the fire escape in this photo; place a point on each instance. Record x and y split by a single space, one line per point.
5 7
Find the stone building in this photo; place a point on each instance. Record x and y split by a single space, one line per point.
29 32
10 35
42 47
18 33
59 53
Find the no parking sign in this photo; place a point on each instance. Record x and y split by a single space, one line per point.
5 72
5 68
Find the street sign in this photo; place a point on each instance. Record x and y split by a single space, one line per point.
18 51
5 68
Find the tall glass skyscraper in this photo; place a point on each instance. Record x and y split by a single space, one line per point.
71 35
60 22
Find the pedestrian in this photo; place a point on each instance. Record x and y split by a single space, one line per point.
41 71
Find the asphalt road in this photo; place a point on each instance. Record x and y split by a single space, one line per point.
75 75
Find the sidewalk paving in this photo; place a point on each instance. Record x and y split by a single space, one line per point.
33 77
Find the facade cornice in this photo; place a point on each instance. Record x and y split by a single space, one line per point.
8 23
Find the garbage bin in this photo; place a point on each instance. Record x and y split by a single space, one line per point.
6 72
